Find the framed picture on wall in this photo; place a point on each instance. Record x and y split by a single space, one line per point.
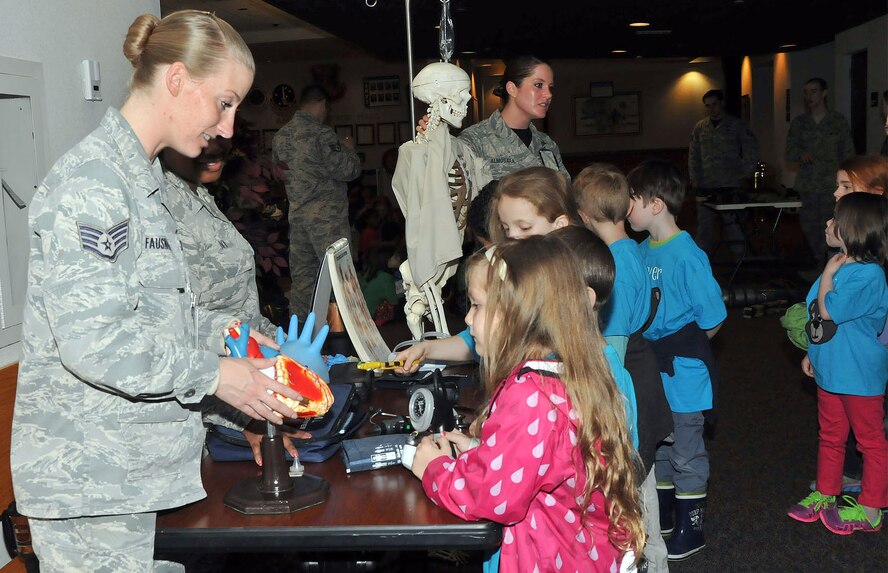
382 90
385 133
344 131
619 114
405 131
365 134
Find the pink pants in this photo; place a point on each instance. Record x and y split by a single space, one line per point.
837 413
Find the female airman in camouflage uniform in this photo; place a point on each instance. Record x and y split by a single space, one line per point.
106 429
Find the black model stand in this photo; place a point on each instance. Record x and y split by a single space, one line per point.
275 491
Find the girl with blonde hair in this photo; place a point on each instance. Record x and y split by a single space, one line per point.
554 462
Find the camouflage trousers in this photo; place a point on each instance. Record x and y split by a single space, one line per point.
102 544
314 226
817 209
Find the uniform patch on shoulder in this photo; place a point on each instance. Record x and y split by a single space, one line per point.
104 243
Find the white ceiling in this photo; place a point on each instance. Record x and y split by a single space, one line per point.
273 35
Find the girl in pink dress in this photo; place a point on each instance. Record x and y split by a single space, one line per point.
553 436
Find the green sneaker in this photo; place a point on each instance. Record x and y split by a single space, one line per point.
808 510
846 520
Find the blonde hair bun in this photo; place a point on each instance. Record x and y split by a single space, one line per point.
137 37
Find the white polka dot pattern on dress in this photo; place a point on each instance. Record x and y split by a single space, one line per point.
533 399
571 482
533 521
462 508
434 486
534 427
459 484
501 508
614 567
491 441
593 553
558 561
556 399
449 466
543 469
581 536
552 415
549 500
539 450
497 463
573 437
570 517
496 489
517 475
508 538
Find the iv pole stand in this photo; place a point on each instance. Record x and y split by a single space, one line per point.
413 117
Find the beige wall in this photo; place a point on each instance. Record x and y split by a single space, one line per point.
671 93
872 37
58 34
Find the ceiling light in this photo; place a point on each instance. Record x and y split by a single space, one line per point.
467 52
700 60
639 24
788 46
618 51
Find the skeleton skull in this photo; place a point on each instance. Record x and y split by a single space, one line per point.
446 88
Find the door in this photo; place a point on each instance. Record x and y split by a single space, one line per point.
858 101
18 183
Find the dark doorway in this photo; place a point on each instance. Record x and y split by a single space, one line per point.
858 101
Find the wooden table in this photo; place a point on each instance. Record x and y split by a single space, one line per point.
379 509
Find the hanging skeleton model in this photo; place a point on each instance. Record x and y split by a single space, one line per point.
435 179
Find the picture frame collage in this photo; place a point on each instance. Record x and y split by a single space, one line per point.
382 133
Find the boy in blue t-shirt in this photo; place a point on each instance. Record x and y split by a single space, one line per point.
602 196
690 313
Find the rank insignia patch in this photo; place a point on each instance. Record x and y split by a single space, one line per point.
104 243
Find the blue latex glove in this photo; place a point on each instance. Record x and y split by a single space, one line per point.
268 352
238 346
301 348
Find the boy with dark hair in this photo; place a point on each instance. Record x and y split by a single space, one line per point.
690 312
602 196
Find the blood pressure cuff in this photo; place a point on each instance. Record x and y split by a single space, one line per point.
327 431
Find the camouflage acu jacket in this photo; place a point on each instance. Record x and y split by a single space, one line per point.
105 416
503 152
721 155
319 165
829 143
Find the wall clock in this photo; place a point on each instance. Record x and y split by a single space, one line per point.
283 96
256 97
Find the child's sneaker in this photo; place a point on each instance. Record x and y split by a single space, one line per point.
846 520
808 510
